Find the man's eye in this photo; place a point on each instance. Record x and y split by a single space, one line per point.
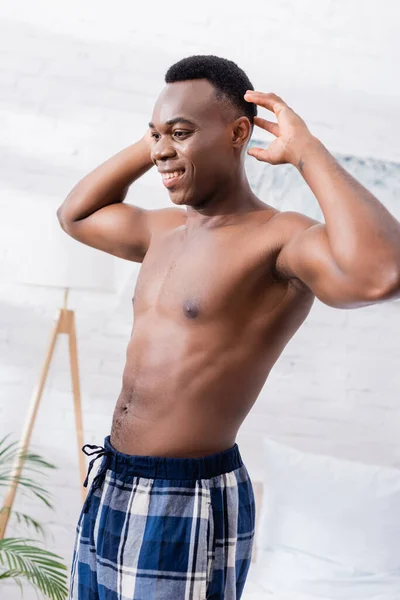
180 133
153 135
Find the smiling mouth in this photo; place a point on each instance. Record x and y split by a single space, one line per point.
172 178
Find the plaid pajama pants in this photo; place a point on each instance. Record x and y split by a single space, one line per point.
160 528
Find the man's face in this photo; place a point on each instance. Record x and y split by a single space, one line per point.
192 139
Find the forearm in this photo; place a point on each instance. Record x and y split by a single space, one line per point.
108 183
363 236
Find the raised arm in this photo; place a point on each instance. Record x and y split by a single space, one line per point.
94 212
351 260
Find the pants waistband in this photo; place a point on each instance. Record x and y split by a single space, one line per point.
162 467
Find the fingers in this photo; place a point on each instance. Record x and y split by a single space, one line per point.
259 154
269 101
267 125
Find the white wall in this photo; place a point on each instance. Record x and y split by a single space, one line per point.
77 84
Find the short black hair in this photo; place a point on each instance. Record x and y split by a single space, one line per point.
229 80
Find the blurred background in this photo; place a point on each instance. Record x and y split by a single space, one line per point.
78 81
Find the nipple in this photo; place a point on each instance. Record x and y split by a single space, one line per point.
190 309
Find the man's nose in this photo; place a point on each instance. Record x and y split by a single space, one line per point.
162 150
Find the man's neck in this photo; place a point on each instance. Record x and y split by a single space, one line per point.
233 199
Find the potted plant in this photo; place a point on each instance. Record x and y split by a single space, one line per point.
25 559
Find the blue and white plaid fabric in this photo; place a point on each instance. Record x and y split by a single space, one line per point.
160 528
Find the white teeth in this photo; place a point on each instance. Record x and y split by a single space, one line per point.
171 175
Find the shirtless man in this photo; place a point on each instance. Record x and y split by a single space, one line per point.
226 281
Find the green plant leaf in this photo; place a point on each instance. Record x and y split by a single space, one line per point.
29 485
11 451
32 465
29 522
22 559
36 459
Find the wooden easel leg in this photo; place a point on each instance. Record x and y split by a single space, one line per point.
27 430
73 355
65 323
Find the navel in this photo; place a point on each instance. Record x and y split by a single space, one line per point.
190 309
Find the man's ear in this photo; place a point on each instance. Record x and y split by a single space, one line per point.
241 131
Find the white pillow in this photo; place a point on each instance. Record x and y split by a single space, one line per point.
328 526
288 574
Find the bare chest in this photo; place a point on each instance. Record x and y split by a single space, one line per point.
201 277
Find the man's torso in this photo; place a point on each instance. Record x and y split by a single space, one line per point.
210 320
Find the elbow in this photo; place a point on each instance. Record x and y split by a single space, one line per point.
386 289
59 214
63 221
60 217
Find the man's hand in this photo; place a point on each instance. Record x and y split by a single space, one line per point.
292 134
351 260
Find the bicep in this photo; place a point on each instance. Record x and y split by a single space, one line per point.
307 257
122 229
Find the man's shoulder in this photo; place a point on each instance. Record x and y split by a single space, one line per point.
284 227
167 218
291 223
278 228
